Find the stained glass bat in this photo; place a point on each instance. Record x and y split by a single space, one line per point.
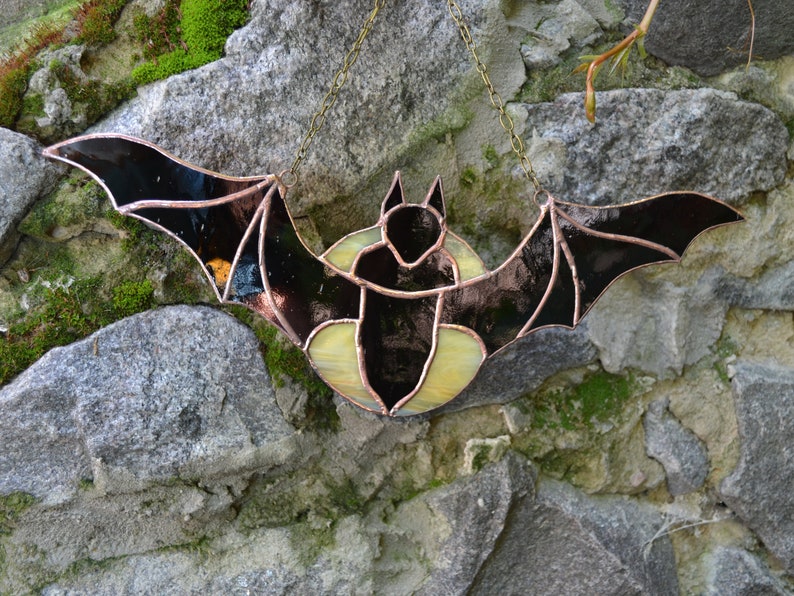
399 317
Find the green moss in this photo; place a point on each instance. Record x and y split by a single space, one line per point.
13 83
293 499
131 297
309 542
73 203
158 34
96 19
453 119
468 177
205 25
491 156
59 321
11 507
33 104
598 398
725 347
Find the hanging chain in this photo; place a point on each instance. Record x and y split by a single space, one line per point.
318 120
496 101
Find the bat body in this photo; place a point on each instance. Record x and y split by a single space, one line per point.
399 317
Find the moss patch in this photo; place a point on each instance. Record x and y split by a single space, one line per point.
11 507
65 296
597 398
192 41
93 25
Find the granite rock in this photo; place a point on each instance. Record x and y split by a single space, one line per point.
736 572
179 392
681 453
712 36
567 542
646 142
663 326
558 27
24 177
759 488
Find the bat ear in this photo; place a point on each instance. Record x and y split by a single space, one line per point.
395 195
435 198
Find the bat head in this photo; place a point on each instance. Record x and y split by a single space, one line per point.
412 231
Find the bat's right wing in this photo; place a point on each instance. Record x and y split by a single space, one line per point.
572 255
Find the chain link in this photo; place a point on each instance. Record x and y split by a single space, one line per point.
318 120
496 100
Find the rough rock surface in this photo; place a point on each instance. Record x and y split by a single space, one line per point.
701 139
598 545
157 396
759 489
247 113
736 572
683 455
24 177
677 326
713 35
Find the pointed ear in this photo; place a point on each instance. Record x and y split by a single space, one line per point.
395 195
435 198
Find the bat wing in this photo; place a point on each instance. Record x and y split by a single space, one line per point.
571 257
239 229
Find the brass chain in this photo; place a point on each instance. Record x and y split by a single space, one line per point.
318 120
496 101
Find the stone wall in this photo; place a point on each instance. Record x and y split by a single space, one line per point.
645 452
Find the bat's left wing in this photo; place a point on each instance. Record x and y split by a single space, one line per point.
208 212
571 257
239 229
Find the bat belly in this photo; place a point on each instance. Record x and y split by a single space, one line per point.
396 339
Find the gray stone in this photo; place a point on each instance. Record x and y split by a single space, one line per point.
24 177
646 142
557 28
61 117
434 543
735 572
759 488
681 453
663 326
714 35
178 392
568 543
772 290
476 511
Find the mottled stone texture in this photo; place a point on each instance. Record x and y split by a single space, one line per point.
683 455
714 35
698 139
735 572
759 489
150 398
24 177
